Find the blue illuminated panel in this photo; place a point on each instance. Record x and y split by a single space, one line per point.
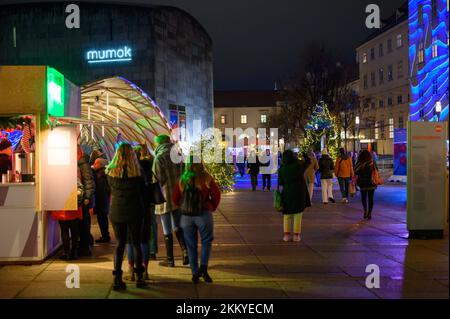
429 77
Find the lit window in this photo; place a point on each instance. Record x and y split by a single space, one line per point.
382 128
391 128
364 57
381 75
399 41
390 73
243 119
223 119
435 47
263 118
377 130
421 57
400 69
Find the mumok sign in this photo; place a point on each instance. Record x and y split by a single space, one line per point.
109 55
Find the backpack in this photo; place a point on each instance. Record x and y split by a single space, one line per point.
191 202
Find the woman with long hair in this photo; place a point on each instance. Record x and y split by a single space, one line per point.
294 194
127 209
364 169
196 178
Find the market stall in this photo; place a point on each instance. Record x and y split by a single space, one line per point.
37 159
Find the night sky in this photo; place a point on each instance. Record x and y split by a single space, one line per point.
257 42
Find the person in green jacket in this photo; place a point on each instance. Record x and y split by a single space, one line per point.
294 194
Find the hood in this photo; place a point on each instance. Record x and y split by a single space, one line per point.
163 148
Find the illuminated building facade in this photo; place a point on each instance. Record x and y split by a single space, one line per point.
429 60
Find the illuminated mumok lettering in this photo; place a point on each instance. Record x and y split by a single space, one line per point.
109 55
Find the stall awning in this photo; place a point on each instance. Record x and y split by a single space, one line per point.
125 109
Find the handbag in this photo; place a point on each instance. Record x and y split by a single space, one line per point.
156 192
376 178
277 201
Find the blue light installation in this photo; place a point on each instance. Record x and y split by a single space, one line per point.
428 37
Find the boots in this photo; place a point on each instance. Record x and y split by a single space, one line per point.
140 282
131 272
180 237
118 282
203 272
169 262
195 278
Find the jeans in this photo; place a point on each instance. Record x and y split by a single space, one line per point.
192 225
85 229
69 234
170 221
327 189
344 184
266 179
145 248
367 194
121 231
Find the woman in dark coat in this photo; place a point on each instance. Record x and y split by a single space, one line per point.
294 194
364 169
102 198
127 209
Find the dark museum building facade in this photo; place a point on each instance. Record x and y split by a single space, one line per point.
163 50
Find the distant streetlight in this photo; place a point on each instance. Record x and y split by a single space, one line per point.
438 107
356 132
357 120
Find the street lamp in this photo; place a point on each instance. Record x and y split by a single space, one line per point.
356 132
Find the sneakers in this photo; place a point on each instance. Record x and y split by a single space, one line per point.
286 238
297 238
344 201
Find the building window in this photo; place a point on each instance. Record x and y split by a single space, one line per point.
391 128
365 82
372 105
372 79
400 69
381 75
421 57
434 51
400 99
380 50
243 119
399 41
223 119
263 118
390 102
364 59
372 54
382 128
435 86
381 103
390 73
377 130
389 45
400 122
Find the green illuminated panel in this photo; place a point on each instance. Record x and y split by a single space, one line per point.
55 92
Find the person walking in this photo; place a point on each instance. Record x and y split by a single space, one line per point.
102 199
149 233
253 167
195 180
344 173
167 173
87 179
267 171
326 168
294 194
310 173
364 170
127 209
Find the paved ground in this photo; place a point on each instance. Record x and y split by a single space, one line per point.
250 260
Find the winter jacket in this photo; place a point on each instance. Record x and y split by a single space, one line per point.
102 192
127 204
310 172
167 174
87 179
364 172
344 167
210 196
146 166
294 196
326 167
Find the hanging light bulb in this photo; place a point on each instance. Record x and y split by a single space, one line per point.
117 115
107 103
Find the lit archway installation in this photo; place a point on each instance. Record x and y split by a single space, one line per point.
116 106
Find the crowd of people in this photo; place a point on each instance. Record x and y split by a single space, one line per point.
124 192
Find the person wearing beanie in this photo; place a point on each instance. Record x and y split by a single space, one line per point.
326 169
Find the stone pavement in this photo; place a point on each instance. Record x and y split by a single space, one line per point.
249 259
